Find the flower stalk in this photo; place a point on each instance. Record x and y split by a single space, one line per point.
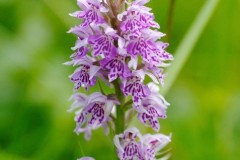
170 18
120 113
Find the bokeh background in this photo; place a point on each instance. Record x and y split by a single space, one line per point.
204 116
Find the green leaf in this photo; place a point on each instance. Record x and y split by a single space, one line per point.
189 41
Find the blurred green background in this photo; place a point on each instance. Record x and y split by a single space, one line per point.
204 116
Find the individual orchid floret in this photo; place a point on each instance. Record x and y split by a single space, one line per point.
133 85
148 50
82 33
84 76
103 43
152 144
151 115
86 158
131 145
128 145
116 67
152 108
139 46
145 49
92 111
155 73
164 56
158 72
81 45
80 53
91 11
136 18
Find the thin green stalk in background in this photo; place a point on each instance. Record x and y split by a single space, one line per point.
170 19
188 43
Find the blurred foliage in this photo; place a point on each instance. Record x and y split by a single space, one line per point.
34 88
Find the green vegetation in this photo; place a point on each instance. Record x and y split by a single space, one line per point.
34 88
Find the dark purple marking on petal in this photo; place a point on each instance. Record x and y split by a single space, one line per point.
97 114
141 47
102 45
131 151
152 115
135 88
82 78
145 118
135 21
81 52
116 66
90 16
80 119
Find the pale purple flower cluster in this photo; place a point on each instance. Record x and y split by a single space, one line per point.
131 145
118 42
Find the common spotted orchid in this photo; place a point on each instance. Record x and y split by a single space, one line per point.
118 42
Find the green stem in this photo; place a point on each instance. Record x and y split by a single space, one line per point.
120 119
188 43
170 19
128 105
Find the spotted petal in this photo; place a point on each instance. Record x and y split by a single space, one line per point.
102 45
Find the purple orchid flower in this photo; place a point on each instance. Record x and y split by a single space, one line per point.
85 74
92 112
128 146
132 145
91 12
116 66
152 108
133 85
136 18
152 144
103 43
